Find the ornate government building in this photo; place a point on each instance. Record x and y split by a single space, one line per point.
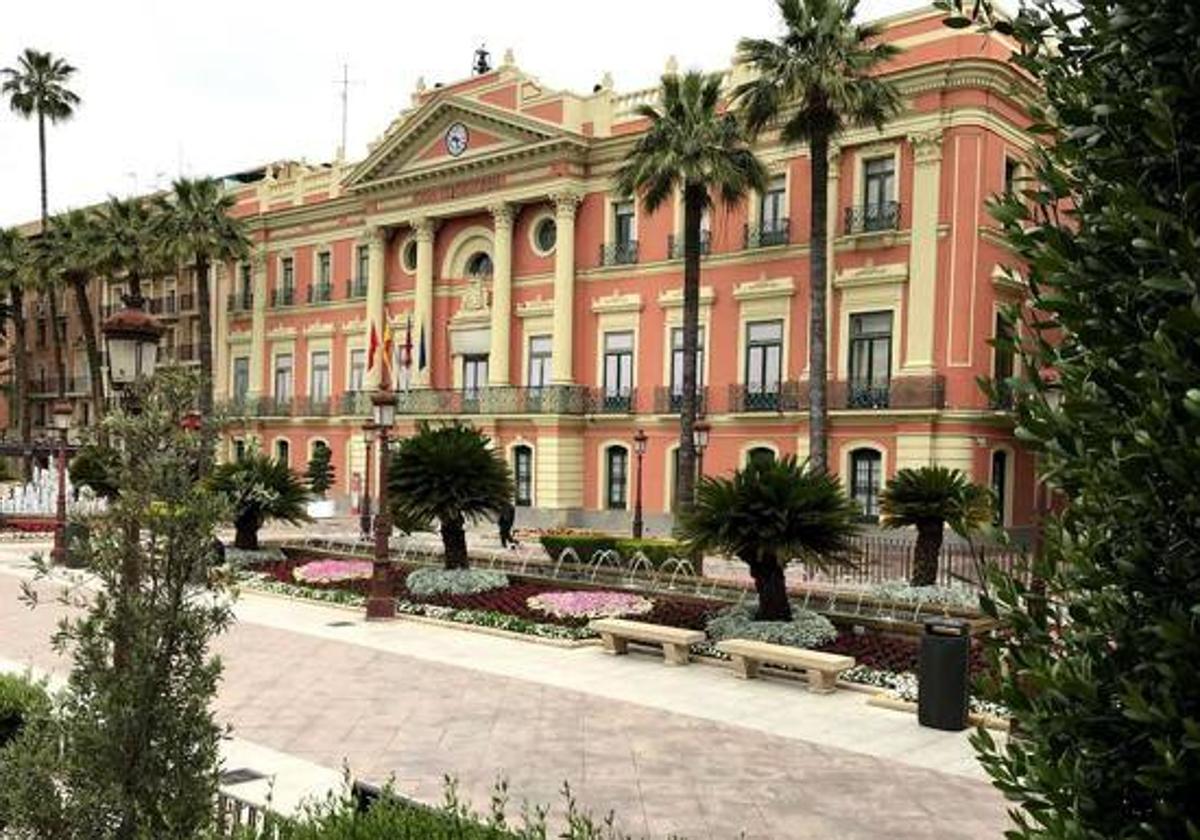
546 308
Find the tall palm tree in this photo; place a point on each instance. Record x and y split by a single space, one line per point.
74 243
196 229
815 80
15 264
694 146
768 513
929 498
125 243
37 86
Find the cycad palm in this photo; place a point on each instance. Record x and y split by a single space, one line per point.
692 146
73 254
15 270
769 512
815 81
929 498
259 487
450 473
37 86
196 228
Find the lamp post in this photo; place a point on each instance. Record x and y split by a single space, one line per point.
380 603
62 423
700 443
364 506
131 338
639 446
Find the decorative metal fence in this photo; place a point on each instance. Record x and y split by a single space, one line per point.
877 559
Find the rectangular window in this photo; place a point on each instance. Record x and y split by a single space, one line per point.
866 467
618 369
523 475
677 364
239 449
475 374
1011 169
324 268
247 290
623 223
364 262
999 483
540 369
772 206
764 363
358 370
241 377
870 359
1002 363
283 377
879 181
618 477
318 376
288 273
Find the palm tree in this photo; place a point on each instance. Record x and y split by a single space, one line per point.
259 487
450 473
815 81
196 229
768 513
930 498
125 243
15 262
73 241
37 86
695 147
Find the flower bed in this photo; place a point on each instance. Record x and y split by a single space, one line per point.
333 571
582 603
427 581
806 629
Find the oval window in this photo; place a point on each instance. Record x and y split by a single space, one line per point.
409 257
545 235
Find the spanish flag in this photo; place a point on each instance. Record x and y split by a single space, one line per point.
388 349
373 347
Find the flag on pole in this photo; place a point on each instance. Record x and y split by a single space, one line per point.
406 353
421 350
387 352
373 347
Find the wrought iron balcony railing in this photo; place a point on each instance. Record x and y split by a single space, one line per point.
312 407
619 253
670 400
870 218
320 292
899 393
783 396
240 303
766 234
675 245
356 288
610 401
285 296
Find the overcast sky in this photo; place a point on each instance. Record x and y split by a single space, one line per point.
216 86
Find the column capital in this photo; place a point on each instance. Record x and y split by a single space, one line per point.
502 214
927 145
377 235
424 228
258 258
565 201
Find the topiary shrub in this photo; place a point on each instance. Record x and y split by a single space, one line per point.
807 629
585 544
430 581
21 699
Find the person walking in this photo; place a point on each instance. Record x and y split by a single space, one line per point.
508 515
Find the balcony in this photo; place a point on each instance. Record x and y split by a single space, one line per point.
240 303
604 401
905 392
162 305
670 400
492 400
619 253
320 293
187 302
284 296
768 234
675 245
356 288
187 353
783 396
872 218
312 407
1000 393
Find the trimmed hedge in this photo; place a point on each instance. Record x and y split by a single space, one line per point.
585 544
656 550
20 700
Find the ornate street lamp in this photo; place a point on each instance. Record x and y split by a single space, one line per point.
364 505
380 602
131 339
639 446
700 443
62 423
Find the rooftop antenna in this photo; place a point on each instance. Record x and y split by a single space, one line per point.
345 83
483 61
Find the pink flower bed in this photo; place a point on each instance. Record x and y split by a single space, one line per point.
587 603
332 571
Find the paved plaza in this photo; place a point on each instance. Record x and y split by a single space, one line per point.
690 751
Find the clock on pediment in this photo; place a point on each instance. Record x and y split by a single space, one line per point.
457 138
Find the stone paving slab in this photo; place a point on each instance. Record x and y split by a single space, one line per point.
380 698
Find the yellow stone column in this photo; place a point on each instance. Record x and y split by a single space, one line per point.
218 291
922 260
258 324
377 248
502 223
564 287
423 301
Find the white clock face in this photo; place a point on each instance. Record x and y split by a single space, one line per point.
456 139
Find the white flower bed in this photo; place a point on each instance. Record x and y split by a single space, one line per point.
899 592
428 581
244 557
807 629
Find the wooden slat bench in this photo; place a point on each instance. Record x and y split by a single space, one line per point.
822 668
617 633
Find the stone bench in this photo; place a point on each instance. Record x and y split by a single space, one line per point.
822 668
617 633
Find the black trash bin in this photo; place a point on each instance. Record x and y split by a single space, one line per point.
942 674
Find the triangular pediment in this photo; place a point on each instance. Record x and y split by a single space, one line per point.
422 143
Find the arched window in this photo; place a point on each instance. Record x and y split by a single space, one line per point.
760 455
616 478
283 451
866 473
239 449
999 483
523 474
479 265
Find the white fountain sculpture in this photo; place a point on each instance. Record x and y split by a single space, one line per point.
39 496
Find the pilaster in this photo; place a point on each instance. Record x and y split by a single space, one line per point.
424 230
565 205
258 324
922 286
